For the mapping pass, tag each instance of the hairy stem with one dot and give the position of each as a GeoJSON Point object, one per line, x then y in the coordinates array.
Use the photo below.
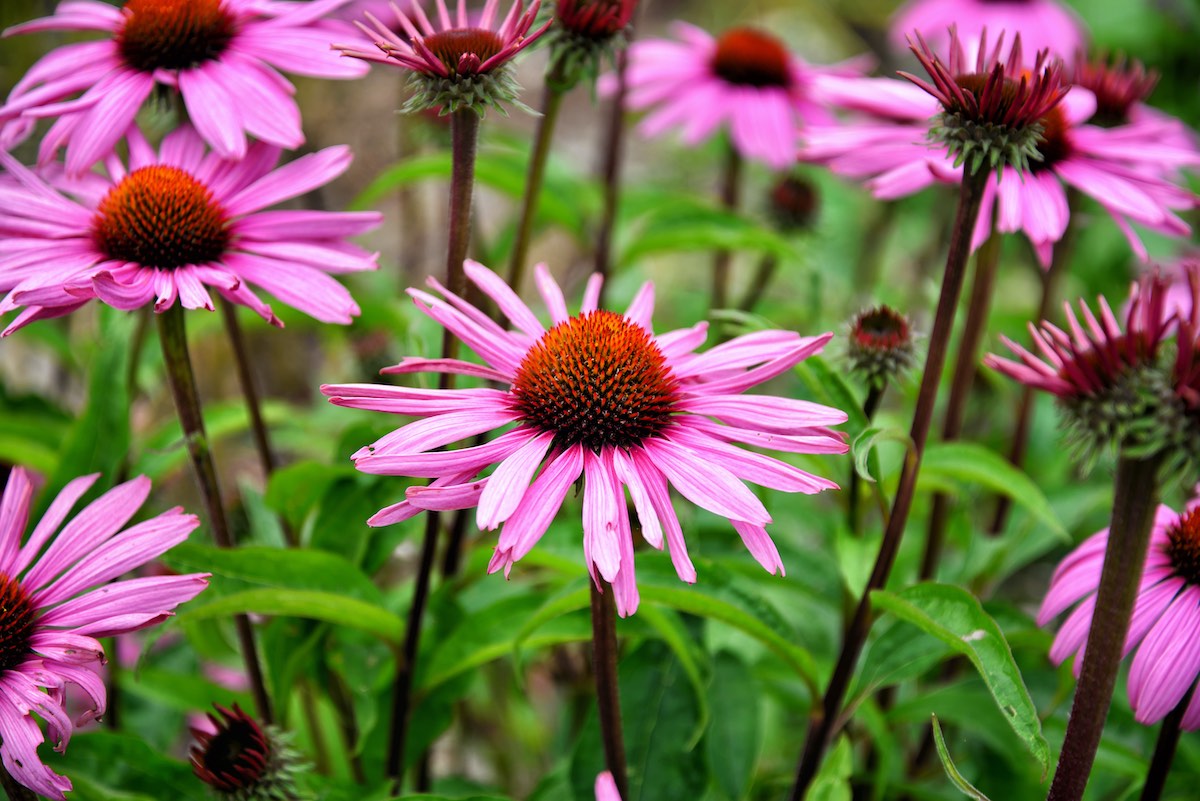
{"type": "Point", "coordinates": [172, 333]}
{"type": "Point", "coordinates": [608, 696]}
{"type": "Point", "coordinates": [464, 134]}
{"type": "Point", "coordinates": [824, 717]}
{"type": "Point", "coordinates": [986, 261]}
{"type": "Point", "coordinates": [1135, 495]}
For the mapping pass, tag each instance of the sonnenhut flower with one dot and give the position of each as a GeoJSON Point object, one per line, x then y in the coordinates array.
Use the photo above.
{"type": "Point", "coordinates": [1042, 24]}
{"type": "Point", "coordinates": [172, 223]}
{"type": "Point", "coordinates": [597, 395]}
{"type": "Point", "coordinates": [880, 345]}
{"type": "Point", "coordinates": [241, 760]}
{"type": "Point", "coordinates": [58, 595]}
{"type": "Point", "coordinates": [1166, 615]}
{"type": "Point", "coordinates": [1110, 381]}
{"type": "Point", "coordinates": [458, 63]}
{"type": "Point", "coordinates": [221, 55]}
{"type": "Point", "coordinates": [583, 31]}
{"type": "Point", "coordinates": [745, 81]}
{"type": "Point", "coordinates": [992, 107]}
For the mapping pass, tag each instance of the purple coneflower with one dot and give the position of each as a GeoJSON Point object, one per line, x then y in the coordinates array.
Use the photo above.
{"type": "Point", "coordinates": [241, 760]}
{"type": "Point", "coordinates": [745, 81]}
{"type": "Point", "coordinates": [1042, 24]}
{"type": "Point", "coordinates": [58, 595]}
{"type": "Point", "coordinates": [174, 222]}
{"type": "Point", "coordinates": [221, 55]}
{"type": "Point", "coordinates": [1166, 615]}
{"type": "Point", "coordinates": [459, 62]}
{"type": "Point", "coordinates": [597, 395]}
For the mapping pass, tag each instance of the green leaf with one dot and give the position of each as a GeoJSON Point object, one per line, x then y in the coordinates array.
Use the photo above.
{"type": "Point", "coordinates": [896, 655]}
{"type": "Point", "coordinates": [293, 491]}
{"type": "Point", "coordinates": [829, 386]}
{"type": "Point", "coordinates": [733, 743]}
{"type": "Point", "coordinates": [832, 782]}
{"type": "Point", "coordinates": [122, 766]}
{"type": "Point", "coordinates": [955, 617]}
{"type": "Point", "coordinates": [252, 567]}
{"type": "Point", "coordinates": [327, 606]}
{"type": "Point", "coordinates": [866, 461]}
{"type": "Point", "coordinates": [943, 753]}
{"type": "Point", "coordinates": [953, 463]}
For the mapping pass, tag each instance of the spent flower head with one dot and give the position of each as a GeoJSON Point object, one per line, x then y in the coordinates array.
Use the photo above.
{"type": "Point", "coordinates": [243, 761]}
{"type": "Point", "coordinates": [992, 107]}
{"type": "Point", "coordinates": [598, 396]}
{"type": "Point", "coordinates": [458, 62]}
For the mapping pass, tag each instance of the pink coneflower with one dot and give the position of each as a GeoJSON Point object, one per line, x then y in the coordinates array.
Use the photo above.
{"type": "Point", "coordinates": [1042, 24]}
{"type": "Point", "coordinates": [241, 760]}
{"type": "Point", "coordinates": [174, 222]}
{"type": "Point", "coordinates": [1109, 379]}
{"type": "Point", "coordinates": [595, 19]}
{"type": "Point", "coordinates": [58, 595]}
{"type": "Point", "coordinates": [880, 345]}
{"type": "Point", "coordinates": [1166, 615]}
{"type": "Point", "coordinates": [221, 55]}
{"type": "Point", "coordinates": [597, 396]}
{"type": "Point", "coordinates": [457, 63]}
{"type": "Point", "coordinates": [746, 81]}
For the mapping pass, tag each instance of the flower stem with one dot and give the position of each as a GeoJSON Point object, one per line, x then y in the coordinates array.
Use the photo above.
{"type": "Point", "coordinates": [608, 696]}
{"type": "Point", "coordinates": [172, 333]}
{"type": "Point", "coordinates": [731, 184]}
{"type": "Point", "coordinates": [14, 789]}
{"type": "Point", "coordinates": [1135, 495]}
{"type": "Point", "coordinates": [758, 285]}
{"type": "Point", "coordinates": [610, 167]}
{"type": "Point", "coordinates": [464, 136]}
{"type": "Point", "coordinates": [854, 492]}
{"type": "Point", "coordinates": [824, 718]}
{"type": "Point", "coordinates": [866, 267]}
{"type": "Point", "coordinates": [1020, 437]}
{"type": "Point", "coordinates": [986, 261]}
{"type": "Point", "coordinates": [1164, 750]}
{"type": "Point", "coordinates": [551, 103]}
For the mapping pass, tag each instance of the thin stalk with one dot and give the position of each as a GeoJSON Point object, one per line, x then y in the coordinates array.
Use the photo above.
{"type": "Point", "coordinates": [731, 185]}
{"type": "Point", "coordinates": [758, 285]}
{"type": "Point", "coordinates": [986, 262]}
{"type": "Point", "coordinates": [14, 789]}
{"type": "Point", "coordinates": [824, 718]}
{"type": "Point", "coordinates": [464, 135]}
{"type": "Point", "coordinates": [172, 334]}
{"type": "Point", "coordinates": [551, 103]}
{"type": "Point", "coordinates": [1020, 438]}
{"type": "Point", "coordinates": [854, 493]}
{"type": "Point", "coordinates": [1135, 496]}
{"type": "Point", "coordinates": [608, 696]}
{"type": "Point", "coordinates": [610, 164]}
{"type": "Point", "coordinates": [1164, 750]}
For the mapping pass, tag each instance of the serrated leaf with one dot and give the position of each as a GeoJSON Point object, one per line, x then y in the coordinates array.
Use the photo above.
{"type": "Point", "coordinates": [955, 617]}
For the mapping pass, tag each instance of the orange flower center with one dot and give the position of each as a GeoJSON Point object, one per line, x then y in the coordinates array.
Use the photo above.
{"type": "Point", "coordinates": [596, 379]}
{"type": "Point", "coordinates": [450, 46]}
{"type": "Point", "coordinates": [16, 623]}
{"type": "Point", "coordinates": [1183, 546]}
{"type": "Point", "coordinates": [173, 34]}
{"type": "Point", "coordinates": [752, 58]}
{"type": "Point", "coordinates": [160, 216]}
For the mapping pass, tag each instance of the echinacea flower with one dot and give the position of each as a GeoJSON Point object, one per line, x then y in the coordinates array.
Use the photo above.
{"type": "Point", "coordinates": [597, 395]}
{"type": "Point", "coordinates": [746, 81]}
{"type": "Point", "coordinates": [172, 223]}
{"type": "Point", "coordinates": [1110, 381]}
{"type": "Point", "coordinates": [242, 761]}
{"type": "Point", "coordinates": [583, 31]}
{"type": "Point", "coordinates": [457, 63]}
{"type": "Point", "coordinates": [1165, 625]}
{"type": "Point", "coordinates": [221, 55]}
{"type": "Point", "coordinates": [58, 595]}
{"type": "Point", "coordinates": [992, 105]}
{"type": "Point", "coordinates": [1042, 24]}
